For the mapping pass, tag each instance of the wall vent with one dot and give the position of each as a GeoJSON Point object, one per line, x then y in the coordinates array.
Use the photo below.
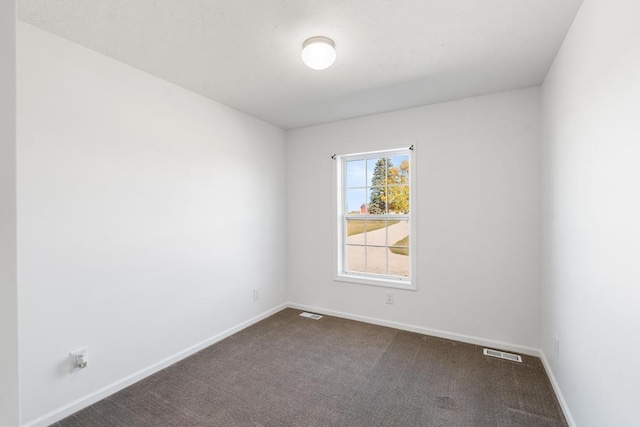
{"type": "Point", "coordinates": [311, 315]}
{"type": "Point", "coordinates": [502, 355]}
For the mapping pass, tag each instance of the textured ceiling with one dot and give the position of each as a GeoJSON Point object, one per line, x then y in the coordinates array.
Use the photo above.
{"type": "Point", "coordinates": [391, 54]}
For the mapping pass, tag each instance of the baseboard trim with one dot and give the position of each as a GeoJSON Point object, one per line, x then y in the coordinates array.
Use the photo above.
{"type": "Point", "coordinates": [498, 345]}
{"type": "Point", "coordinates": [114, 387]}
{"type": "Point", "coordinates": [556, 389]}
{"type": "Point", "coordinates": [456, 337]}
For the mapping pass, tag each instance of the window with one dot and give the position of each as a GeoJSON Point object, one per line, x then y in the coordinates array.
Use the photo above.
{"type": "Point", "coordinates": [374, 227]}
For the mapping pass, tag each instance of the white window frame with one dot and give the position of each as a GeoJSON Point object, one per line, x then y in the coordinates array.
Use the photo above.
{"type": "Point", "coordinates": [341, 273]}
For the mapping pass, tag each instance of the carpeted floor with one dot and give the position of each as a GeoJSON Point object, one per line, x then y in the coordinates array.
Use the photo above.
{"type": "Point", "coordinates": [292, 371]}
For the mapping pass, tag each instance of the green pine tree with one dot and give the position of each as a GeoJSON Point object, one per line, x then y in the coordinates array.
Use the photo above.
{"type": "Point", "coordinates": [378, 193]}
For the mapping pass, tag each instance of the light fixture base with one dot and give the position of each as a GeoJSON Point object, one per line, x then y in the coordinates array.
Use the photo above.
{"type": "Point", "coordinates": [318, 52]}
{"type": "Point", "coordinates": [319, 39]}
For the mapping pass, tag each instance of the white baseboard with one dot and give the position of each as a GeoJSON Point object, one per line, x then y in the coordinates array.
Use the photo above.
{"type": "Point", "coordinates": [83, 402]}
{"type": "Point", "coordinates": [456, 337]}
{"type": "Point", "coordinates": [556, 389]}
{"type": "Point", "coordinates": [498, 345]}
{"type": "Point", "coordinates": [92, 398]}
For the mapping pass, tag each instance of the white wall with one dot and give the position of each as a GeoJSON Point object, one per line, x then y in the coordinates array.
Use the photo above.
{"type": "Point", "coordinates": [591, 214]}
{"type": "Point", "coordinates": [477, 214]}
{"type": "Point", "coordinates": [8, 280]}
{"type": "Point", "coordinates": [146, 216]}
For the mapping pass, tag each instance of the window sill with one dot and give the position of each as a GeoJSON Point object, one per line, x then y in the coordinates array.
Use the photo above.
{"type": "Point", "coordinates": [372, 281]}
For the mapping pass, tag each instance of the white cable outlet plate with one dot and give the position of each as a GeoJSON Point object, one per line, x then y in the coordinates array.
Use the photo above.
{"type": "Point", "coordinates": [78, 358]}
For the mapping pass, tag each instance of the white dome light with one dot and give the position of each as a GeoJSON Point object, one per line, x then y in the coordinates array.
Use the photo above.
{"type": "Point", "coordinates": [318, 53]}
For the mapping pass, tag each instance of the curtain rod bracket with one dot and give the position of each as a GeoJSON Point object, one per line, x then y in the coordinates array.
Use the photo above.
{"type": "Point", "coordinates": [333, 157]}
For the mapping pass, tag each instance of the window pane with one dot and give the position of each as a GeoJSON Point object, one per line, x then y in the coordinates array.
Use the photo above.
{"type": "Point", "coordinates": [355, 231]}
{"type": "Point", "coordinates": [356, 173]}
{"type": "Point", "coordinates": [399, 250]}
{"type": "Point", "coordinates": [356, 201]}
{"type": "Point", "coordinates": [376, 232]}
{"type": "Point", "coordinates": [398, 199]}
{"type": "Point", "coordinates": [378, 201]}
{"type": "Point", "coordinates": [377, 260]}
{"type": "Point", "coordinates": [398, 232]}
{"type": "Point", "coordinates": [399, 262]}
{"type": "Point", "coordinates": [399, 169]}
{"type": "Point", "coordinates": [355, 256]}
{"type": "Point", "coordinates": [376, 172]}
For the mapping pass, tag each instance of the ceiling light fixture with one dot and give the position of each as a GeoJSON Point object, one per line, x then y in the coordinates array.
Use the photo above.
{"type": "Point", "coordinates": [318, 53]}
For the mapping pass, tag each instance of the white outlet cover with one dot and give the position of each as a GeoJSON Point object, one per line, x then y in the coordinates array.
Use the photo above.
{"type": "Point", "coordinates": [390, 298]}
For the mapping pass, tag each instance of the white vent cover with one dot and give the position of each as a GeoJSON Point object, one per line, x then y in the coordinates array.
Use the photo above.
{"type": "Point", "coordinates": [311, 315]}
{"type": "Point", "coordinates": [502, 355]}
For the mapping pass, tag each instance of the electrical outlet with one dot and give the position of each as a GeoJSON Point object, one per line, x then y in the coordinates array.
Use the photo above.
{"type": "Point", "coordinates": [390, 298]}
{"type": "Point", "coordinates": [79, 359]}
{"type": "Point", "coordinates": [256, 294]}
{"type": "Point", "coordinates": [557, 348]}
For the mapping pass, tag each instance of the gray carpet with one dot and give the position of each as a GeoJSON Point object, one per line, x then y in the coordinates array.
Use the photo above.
{"type": "Point", "coordinates": [292, 371]}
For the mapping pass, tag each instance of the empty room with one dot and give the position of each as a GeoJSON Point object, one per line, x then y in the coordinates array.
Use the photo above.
{"type": "Point", "coordinates": [319, 213]}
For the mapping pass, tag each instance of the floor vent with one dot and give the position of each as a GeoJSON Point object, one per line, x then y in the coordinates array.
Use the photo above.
{"type": "Point", "coordinates": [502, 355]}
{"type": "Point", "coordinates": [311, 315]}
